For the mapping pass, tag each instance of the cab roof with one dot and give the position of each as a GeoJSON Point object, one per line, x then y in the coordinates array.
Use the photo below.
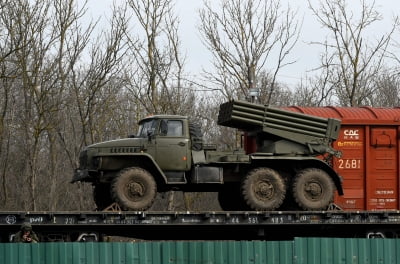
{"type": "Point", "coordinates": [163, 117]}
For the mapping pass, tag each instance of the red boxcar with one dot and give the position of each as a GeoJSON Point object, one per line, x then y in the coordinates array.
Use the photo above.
{"type": "Point", "coordinates": [369, 141]}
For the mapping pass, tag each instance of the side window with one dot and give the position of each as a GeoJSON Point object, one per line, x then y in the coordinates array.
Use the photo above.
{"type": "Point", "coordinates": [147, 127]}
{"type": "Point", "coordinates": [175, 128]}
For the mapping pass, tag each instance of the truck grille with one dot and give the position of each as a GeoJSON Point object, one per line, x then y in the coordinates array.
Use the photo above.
{"type": "Point", "coordinates": [124, 150]}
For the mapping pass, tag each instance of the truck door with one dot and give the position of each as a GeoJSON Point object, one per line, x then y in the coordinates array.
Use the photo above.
{"type": "Point", "coordinates": [172, 152]}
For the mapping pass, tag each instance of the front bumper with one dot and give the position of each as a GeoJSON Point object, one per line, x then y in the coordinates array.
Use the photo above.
{"type": "Point", "coordinates": [81, 175]}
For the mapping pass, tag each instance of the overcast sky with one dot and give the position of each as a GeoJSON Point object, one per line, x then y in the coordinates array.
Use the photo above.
{"type": "Point", "coordinates": [306, 55]}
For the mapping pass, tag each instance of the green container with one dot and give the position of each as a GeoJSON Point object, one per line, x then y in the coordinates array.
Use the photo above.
{"type": "Point", "coordinates": [227, 252]}
{"type": "Point", "coordinates": [299, 251]}
{"type": "Point", "coordinates": [346, 251]}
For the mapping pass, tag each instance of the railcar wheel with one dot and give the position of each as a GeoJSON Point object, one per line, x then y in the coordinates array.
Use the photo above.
{"type": "Point", "coordinates": [102, 195]}
{"type": "Point", "coordinates": [313, 189]}
{"type": "Point", "coordinates": [134, 189]}
{"type": "Point", "coordinates": [264, 189]}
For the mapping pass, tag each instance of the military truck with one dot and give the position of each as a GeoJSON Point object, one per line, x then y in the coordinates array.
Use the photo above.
{"type": "Point", "coordinates": [285, 155]}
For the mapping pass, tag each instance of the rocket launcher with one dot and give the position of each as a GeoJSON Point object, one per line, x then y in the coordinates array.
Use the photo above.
{"type": "Point", "coordinates": [316, 134]}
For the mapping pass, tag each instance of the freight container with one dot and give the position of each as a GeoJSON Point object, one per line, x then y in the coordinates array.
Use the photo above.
{"type": "Point", "coordinates": [369, 165]}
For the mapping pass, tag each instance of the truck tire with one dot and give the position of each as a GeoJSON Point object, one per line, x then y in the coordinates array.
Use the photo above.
{"type": "Point", "coordinates": [313, 189]}
{"type": "Point", "coordinates": [102, 196]}
{"type": "Point", "coordinates": [264, 189]}
{"type": "Point", "coordinates": [134, 189]}
{"type": "Point", "coordinates": [196, 136]}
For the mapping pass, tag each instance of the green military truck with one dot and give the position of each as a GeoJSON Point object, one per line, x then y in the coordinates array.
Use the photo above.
{"type": "Point", "coordinates": [285, 155]}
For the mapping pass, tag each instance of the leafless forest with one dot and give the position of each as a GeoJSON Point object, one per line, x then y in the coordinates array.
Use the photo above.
{"type": "Point", "coordinates": [66, 82]}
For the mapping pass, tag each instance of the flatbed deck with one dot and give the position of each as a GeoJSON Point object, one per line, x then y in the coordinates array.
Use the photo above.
{"type": "Point", "coordinates": [213, 225]}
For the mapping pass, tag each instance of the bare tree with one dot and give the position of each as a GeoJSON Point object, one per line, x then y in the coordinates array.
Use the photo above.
{"type": "Point", "coordinates": [46, 41]}
{"type": "Point", "coordinates": [71, 41]}
{"type": "Point", "coordinates": [29, 60]}
{"type": "Point", "coordinates": [157, 79]}
{"type": "Point", "coordinates": [244, 37]}
{"type": "Point", "coordinates": [6, 79]}
{"type": "Point", "coordinates": [57, 94]}
{"type": "Point", "coordinates": [388, 86]}
{"type": "Point", "coordinates": [92, 82]}
{"type": "Point", "coordinates": [353, 60]}
{"type": "Point", "coordinates": [318, 90]}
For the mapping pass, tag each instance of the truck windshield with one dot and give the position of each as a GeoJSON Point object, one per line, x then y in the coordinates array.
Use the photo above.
{"type": "Point", "coordinates": [146, 127]}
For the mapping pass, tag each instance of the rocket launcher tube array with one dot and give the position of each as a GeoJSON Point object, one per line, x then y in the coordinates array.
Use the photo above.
{"type": "Point", "coordinates": [251, 117]}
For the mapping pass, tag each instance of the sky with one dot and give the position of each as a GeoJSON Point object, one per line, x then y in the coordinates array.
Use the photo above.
{"type": "Point", "coordinates": [306, 55]}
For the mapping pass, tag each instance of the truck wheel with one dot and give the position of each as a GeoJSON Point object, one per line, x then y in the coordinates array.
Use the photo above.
{"type": "Point", "coordinates": [313, 189]}
{"type": "Point", "coordinates": [102, 195]}
{"type": "Point", "coordinates": [134, 189]}
{"type": "Point", "coordinates": [196, 136]}
{"type": "Point", "coordinates": [264, 189]}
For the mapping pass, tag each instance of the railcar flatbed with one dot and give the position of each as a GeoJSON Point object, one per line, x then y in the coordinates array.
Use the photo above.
{"type": "Point", "coordinates": [213, 225]}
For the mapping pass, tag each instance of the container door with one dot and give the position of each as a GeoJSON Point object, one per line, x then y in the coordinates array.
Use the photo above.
{"type": "Point", "coordinates": [351, 167]}
{"type": "Point", "coordinates": [382, 169]}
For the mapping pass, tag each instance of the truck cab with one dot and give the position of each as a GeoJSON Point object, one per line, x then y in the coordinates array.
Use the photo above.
{"type": "Point", "coordinates": [168, 142]}
{"type": "Point", "coordinates": [130, 169]}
